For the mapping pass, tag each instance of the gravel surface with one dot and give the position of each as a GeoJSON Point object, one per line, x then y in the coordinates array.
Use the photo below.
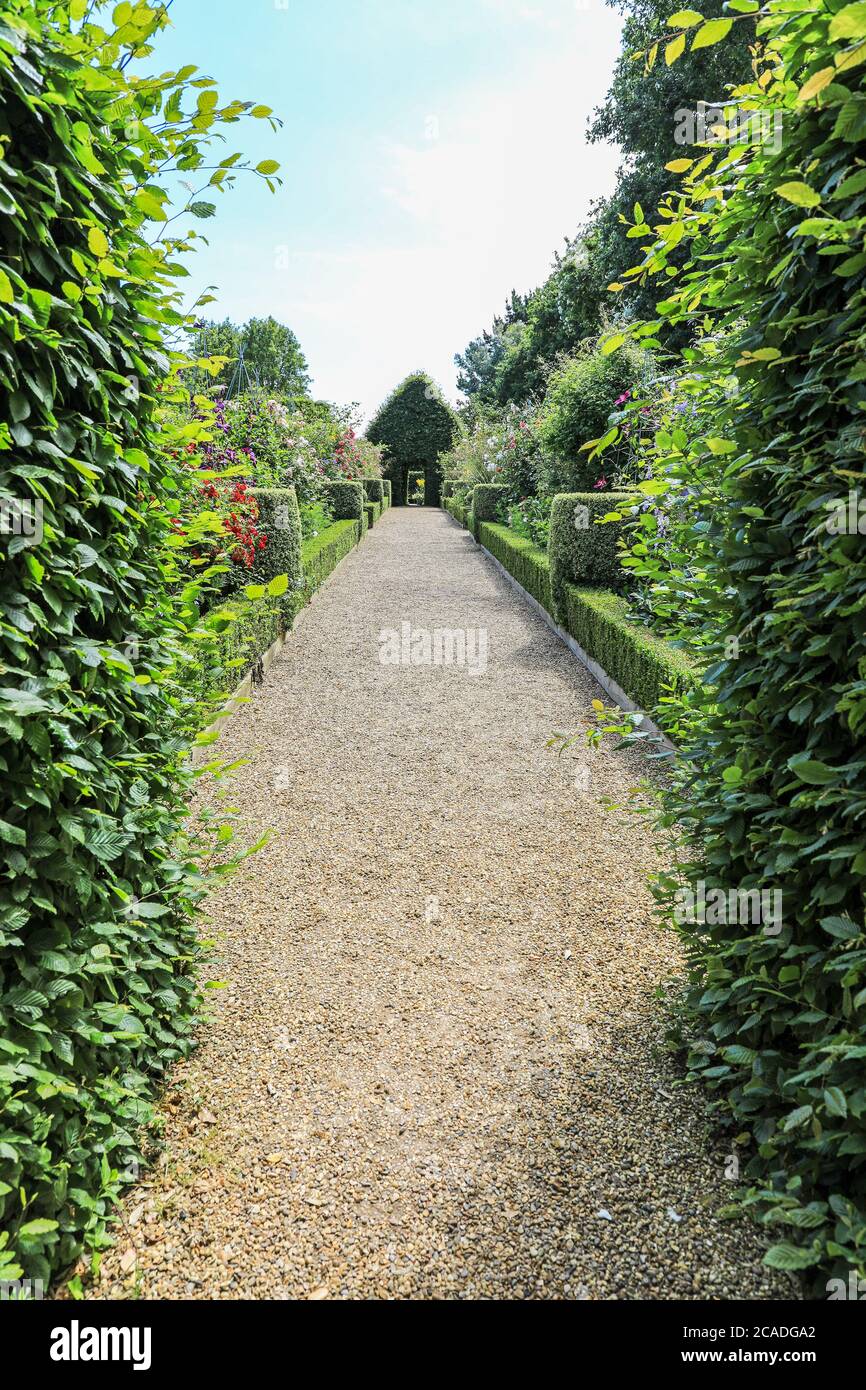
{"type": "Point", "coordinates": [436, 1071]}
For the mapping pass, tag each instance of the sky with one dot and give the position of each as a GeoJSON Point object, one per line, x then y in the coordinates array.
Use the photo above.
{"type": "Point", "coordinates": [433, 157]}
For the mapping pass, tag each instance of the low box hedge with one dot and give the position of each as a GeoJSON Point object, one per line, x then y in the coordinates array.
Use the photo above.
{"type": "Point", "coordinates": [641, 663]}
{"type": "Point", "coordinates": [246, 628]}
{"type": "Point", "coordinates": [582, 549]}
{"type": "Point", "coordinates": [374, 511]}
{"type": "Point", "coordinates": [529, 565]}
{"type": "Point", "coordinates": [455, 508]}
{"type": "Point", "coordinates": [346, 499]}
{"type": "Point", "coordinates": [280, 522]}
{"type": "Point", "coordinates": [321, 554]}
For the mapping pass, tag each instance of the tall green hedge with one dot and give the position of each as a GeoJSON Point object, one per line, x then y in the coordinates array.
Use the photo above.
{"type": "Point", "coordinates": [280, 522]}
{"type": "Point", "coordinates": [771, 786]}
{"type": "Point", "coordinates": [388, 491]}
{"type": "Point", "coordinates": [97, 941]}
{"type": "Point", "coordinates": [346, 500]}
{"type": "Point", "coordinates": [583, 549]}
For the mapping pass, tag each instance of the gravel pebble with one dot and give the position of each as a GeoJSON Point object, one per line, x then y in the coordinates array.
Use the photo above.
{"type": "Point", "coordinates": [437, 1070]}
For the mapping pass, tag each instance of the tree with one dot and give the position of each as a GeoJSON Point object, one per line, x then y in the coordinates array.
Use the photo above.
{"type": "Point", "coordinates": [263, 353]}
{"type": "Point", "coordinates": [512, 361]}
{"type": "Point", "coordinates": [415, 424]}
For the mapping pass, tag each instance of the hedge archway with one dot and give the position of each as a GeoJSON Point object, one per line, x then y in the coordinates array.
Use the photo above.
{"type": "Point", "coordinates": [416, 424]}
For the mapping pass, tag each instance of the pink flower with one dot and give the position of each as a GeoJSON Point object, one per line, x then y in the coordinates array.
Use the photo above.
{"type": "Point", "coordinates": [602, 482]}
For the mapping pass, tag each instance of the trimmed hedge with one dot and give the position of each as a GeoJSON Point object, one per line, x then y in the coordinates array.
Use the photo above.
{"type": "Point", "coordinates": [321, 554]}
{"type": "Point", "coordinates": [387, 487]}
{"type": "Point", "coordinates": [280, 522]}
{"type": "Point", "coordinates": [346, 500]}
{"type": "Point", "coordinates": [583, 551]}
{"type": "Point", "coordinates": [245, 629]}
{"type": "Point", "coordinates": [456, 509]}
{"type": "Point", "coordinates": [375, 491]}
{"type": "Point", "coordinates": [529, 565]}
{"type": "Point", "coordinates": [373, 511]}
{"type": "Point", "coordinates": [486, 498]}
{"type": "Point", "coordinates": [639, 661]}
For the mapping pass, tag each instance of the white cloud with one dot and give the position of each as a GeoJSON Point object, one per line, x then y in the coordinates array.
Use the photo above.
{"type": "Point", "coordinates": [475, 211]}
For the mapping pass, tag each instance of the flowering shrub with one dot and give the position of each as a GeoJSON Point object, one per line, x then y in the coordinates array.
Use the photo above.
{"type": "Point", "coordinates": [498, 448]}
{"type": "Point", "coordinates": [530, 518]}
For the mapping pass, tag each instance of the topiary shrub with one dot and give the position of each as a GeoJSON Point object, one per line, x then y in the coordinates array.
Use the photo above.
{"type": "Point", "coordinates": [581, 394]}
{"type": "Point", "coordinates": [280, 524]}
{"type": "Point", "coordinates": [375, 490]}
{"type": "Point", "coordinates": [485, 502]}
{"type": "Point", "coordinates": [346, 500]}
{"type": "Point", "coordinates": [583, 548]}
{"type": "Point", "coordinates": [415, 424]}
{"type": "Point", "coordinates": [642, 664]}
{"type": "Point", "coordinates": [373, 512]}
{"type": "Point", "coordinates": [386, 486]}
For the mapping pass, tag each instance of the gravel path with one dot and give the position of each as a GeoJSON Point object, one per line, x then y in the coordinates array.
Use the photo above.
{"type": "Point", "coordinates": [436, 1071]}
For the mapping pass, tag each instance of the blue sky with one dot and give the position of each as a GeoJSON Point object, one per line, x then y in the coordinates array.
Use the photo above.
{"type": "Point", "coordinates": [433, 156]}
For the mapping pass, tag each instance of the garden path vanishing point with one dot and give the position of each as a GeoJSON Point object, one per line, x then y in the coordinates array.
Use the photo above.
{"type": "Point", "coordinates": [436, 1070]}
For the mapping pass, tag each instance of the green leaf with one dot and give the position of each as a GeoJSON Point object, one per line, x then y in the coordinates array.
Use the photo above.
{"type": "Point", "coordinates": [7, 294]}
{"type": "Point", "coordinates": [278, 585]}
{"type": "Point", "coordinates": [800, 194]}
{"type": "Point", "coordinates": [842, 928]}
{"type": "Point", "coordinates": [812, 770]}
{"type": "Point", "coordinates": [835, 1101]}
{"type": "Point", "coordinates": [850, 22]}
{"type": "Point", "coordinates": [267, 166]}
{"type": "Point", "coordinates": [786, 1256]}
{"type": "Point", "coordinates": [712, 32]}
{"type": "Point", "coordinates": [97, 241]}
{"type": "Point", "coordinates": [684, 19]}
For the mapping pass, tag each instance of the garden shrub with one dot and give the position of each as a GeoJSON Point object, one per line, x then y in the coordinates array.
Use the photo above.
{"type": "Point", "coordinates": [244, 629]}
{"type": "Point", "coordinates": [642, 664]}
{"type": "Point", "coordinates": [102, 871]}
{"type": "Point", "coordinates": [324, 552]}
{"type": "Point", "coordinates": [583, 548]}
{"type": "Point", "coordinates": [387, 487]}
{"type": "Point", "coordinates": [456, 509]}
{"type": "Point", "coordinates": [373, 512]}
{"type": "Point", "coordinates": [581, 394]}
{"type": "Point", "coordinates": [280, 524]}
{"type": "Point", "coordinates": [346, 500]}
{"type": "Point", "coordinates": [529, 565]}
